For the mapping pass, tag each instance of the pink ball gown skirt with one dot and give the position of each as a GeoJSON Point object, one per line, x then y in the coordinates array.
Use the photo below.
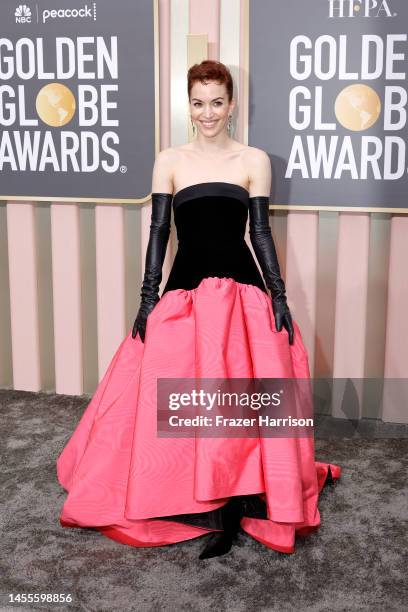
{"type": "Point", "coordinates": [121, 478]}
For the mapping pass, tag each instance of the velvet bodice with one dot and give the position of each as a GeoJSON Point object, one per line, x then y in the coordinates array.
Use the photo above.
{"type": "Point", "coordinates": [210, 220]}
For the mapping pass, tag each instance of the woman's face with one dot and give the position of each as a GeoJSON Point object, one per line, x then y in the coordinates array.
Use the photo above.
{"type": "Point", "coordinates": [209, 107]}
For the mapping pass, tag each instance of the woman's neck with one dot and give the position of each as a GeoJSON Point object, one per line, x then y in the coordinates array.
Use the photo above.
{"type": "Point", "coordinates": [213, 146]}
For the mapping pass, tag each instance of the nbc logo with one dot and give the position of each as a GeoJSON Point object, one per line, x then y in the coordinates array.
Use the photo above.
{"type": "Point", "coordinates": [23, 14]}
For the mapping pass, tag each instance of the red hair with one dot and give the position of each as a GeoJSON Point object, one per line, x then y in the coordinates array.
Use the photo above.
{"type": "Point", "coordinates": [210, 70]}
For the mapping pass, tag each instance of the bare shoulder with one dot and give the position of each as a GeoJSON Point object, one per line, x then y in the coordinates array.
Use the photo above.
{"type": "Point", "coordinates": [254, 156]}
{"type": "Point", "coordinates": [166, 156]}
{"type": "Point", "coordinates": [163, 171]}
{"type": "Point", "coordinates": [258, 166]}
{"type": "Point", "coordinates": [171, 156]}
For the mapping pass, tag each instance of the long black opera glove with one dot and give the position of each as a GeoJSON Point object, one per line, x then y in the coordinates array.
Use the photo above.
{"type": "Point", "coordinates": [155, 254]}
{"type": "Point", "coordinates": [264, 247]}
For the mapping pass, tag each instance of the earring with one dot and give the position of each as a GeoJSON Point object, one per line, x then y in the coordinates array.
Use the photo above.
{"type": "Point", "coordinates": [229, 126]}
{"type": "Point", "coordinates": [193, 126]}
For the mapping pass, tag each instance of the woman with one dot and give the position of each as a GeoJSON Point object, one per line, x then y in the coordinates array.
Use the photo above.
{"type": "Point", "coordinates": [215, 319]}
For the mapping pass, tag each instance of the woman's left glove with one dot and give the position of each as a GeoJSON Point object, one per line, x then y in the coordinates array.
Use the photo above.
{"type": "Point", "coordinates": [155, 254]}
{"type": "Point", "coordinates": [264, 247]}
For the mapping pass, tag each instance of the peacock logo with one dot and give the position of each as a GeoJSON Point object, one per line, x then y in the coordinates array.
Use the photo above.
{"type": "Point", "coordinates": [23, 14]}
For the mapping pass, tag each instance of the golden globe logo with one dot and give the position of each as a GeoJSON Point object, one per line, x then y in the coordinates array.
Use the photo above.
{"type": "Point", "coordinates": [364, 8]}
{"type": "Point", "coordinates": [55, 104]}
{"type": "Point", "coordinates": [357, 107]}
{"type": "Point", "coordinates": [319, 148]}
{"type": "Point", "coordinates": [92, 143]}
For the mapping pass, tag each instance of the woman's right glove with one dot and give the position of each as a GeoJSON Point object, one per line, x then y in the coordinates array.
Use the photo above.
{"type": "Point", "coordinates": [264, 247]}
{"type": "Point", "coordinates": [155, 254]}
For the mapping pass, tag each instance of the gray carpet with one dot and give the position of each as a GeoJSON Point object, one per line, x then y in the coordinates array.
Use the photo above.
{"type": "Point", "coordinates": [357, 560]}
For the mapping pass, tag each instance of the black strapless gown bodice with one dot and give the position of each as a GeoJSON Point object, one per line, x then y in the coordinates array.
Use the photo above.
{"type": "Point", "coordinates": [210, 220]}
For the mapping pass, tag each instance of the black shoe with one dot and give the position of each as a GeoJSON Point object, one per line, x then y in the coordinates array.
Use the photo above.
{"type": "Point", "coordinates": [220, 542]}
